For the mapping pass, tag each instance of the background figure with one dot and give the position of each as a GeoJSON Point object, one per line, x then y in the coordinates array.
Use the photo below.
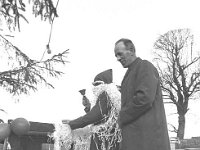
{"type": "Point", "coordinates": [142, 117]}
{"type": "Point", "coordinates": [98, 112]}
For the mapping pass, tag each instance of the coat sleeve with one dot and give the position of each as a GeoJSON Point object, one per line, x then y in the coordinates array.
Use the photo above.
{"type": "Point", "coordinates": [95, 115]}
{"type": "Point", "coordinates": [144, 95]}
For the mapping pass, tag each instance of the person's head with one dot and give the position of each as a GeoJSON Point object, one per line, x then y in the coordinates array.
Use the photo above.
{"type": "Point", "coordinates": [103, 77]}
{"type": "Point", "coordinates": [125, 52]}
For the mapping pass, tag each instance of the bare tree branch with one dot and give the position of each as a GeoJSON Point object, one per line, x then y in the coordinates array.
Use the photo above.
{"type": "Point", "coordinates": [174, 128]}
{"type": "Point", "coordinates": [180, 78]}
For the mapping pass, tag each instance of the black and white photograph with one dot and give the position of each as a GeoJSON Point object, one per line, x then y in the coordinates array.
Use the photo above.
{"type": "Point", "coordinates": [99, 75]}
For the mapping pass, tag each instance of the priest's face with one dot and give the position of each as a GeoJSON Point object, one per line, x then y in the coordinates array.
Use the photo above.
{"type": "Point", "coordinates": [124, 56]}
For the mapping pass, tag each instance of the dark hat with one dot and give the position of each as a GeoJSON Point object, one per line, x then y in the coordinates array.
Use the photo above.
{"type": "Point", "coordinates": [105, 76]}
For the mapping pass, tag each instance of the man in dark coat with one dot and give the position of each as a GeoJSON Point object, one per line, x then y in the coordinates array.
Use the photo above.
{"type": "Point", "coordinates": [97, 113]}
{"type": "Point", "coordinates": [142, 117]}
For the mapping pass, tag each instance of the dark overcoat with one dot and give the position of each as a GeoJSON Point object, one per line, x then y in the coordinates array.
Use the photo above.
{"type": "Point", "coordinates": [142, 117]}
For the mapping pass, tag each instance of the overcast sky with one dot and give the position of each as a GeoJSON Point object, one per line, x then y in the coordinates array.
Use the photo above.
{"type": "Point", "coordinates": [89, 30]}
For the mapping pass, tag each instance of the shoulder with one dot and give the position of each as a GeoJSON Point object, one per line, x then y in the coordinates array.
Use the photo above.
{"type": "Point", "coordinates": [149, 68]}
{"type": "Point", "coordinates": [146, 64]}
{"type": "Point", "coordinates": [145, 67]}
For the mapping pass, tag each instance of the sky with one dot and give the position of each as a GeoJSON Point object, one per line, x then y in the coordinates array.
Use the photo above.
{"type": "Point", "coordinates": [89, 30]}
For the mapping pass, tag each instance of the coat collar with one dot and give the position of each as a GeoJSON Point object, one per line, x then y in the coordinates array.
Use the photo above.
{"type": "Point", "coordinates": [132, 65]}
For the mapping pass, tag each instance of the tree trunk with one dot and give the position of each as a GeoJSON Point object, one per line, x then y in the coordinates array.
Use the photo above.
{"type": "Point", "coordinates": [181, 126]}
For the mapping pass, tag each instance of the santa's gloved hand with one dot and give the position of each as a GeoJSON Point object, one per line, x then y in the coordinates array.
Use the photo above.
{"type": "Point", "coordinates": [86, 103]}
{"type": "Point", "coordinates": [87, 109]}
